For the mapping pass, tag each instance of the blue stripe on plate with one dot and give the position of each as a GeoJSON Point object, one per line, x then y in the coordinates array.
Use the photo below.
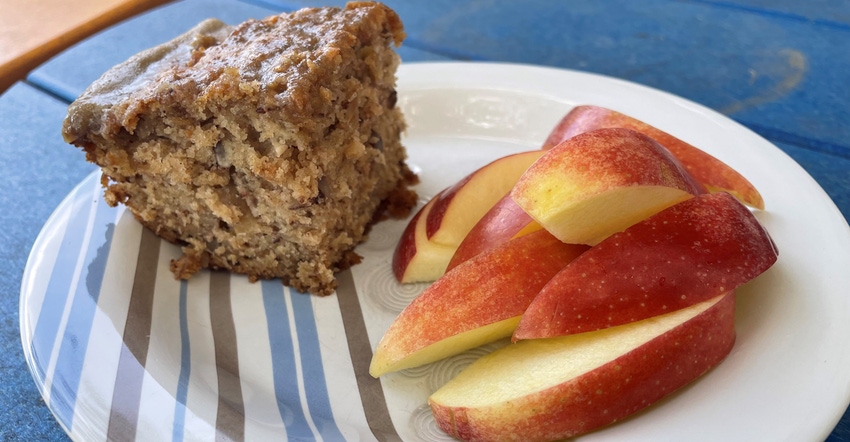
{"type": "Point", "coordinates": [283, 362]}
{"type": "Point", "coordinates": [72, 352]}
{"type": "Point", "coordinates": [56, 293]}
{"type": "Point", "coordinates": [315, 385]}
{"type": "Point", "coordinates": [185, 367]}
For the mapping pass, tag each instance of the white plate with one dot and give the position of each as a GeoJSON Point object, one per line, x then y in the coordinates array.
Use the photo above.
{"type": "Point", "coordinates": [268, 363]}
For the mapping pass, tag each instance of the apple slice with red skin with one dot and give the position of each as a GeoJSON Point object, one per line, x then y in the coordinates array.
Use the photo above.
{"type": "Point", "coordinates": [601, 182]}
{"type": "Point", "coordinates": [435, 232]}
{"type": "Point", "coordinates": [477, 302]}
{"type": "Point", "coordinates": [503, 222]}
{"type": "Point", "coordinates": [460, 206]}
{"type": "Point", "coordinates": [556, 388]}
{"type": "Point", "coordinates": [708, 170]}
{"type": "Point", "coordinates": [415, 258]}
{"type": "Point", "coordinates": [683, 255]}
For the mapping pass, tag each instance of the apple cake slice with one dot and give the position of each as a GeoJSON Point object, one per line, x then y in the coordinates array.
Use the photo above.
{"type": "Point", "coordinates": [265, 149]}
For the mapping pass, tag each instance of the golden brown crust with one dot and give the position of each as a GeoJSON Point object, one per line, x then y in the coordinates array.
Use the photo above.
{"type": "Point", "coordinates": [264, 148]}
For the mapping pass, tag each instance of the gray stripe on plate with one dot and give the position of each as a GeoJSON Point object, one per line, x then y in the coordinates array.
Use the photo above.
{"type": "Point", "coordinates": [230, 417]}
{"type": "Point", "coordinates": [126, 396]}
{"type": "Point", "coordinates": [371, 392]}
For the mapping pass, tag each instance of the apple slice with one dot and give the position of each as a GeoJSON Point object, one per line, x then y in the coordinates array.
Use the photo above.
{"type": "Point", "coordinates": [683, 255]}
{"type": "Point", "coordinates": [479, 301]}
{"type": "Point", "coordinates": [434, 233]}
{"type": "Point", "coordinates": [503, 222]}
{"type": "Point", "coordinates": [460, 206]}
{"type": "Point", "coordinates": [415, 258]}
{"type": "Point", "coordinates": [600, 182]}
{"type": "Point", "coordinates": [708, 170]}
{"type": "Point", "coordinates": [548, 389]}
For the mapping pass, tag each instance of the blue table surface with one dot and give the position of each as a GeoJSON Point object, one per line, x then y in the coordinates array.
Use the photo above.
{"type": "Point", "coordinates": [781, 68]}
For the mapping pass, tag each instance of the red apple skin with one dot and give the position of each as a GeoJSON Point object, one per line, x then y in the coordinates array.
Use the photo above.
{"type": "Point", "coordinates": [498, 226]}
{"type": "Point", "coordinates": [484, 290]}
{"type": "Point", "coordinates": [711, 172]}
{"type": "Point", "coordinates": [611, 392]}
{"type": "Point", "coordinates": [688, 253]}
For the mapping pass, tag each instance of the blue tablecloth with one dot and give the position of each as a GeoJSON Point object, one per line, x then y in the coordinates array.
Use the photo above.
{"type": "Point", "coordinates": [781, 68]}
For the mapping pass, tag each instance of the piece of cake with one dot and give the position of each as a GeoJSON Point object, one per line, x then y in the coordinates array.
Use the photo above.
{"type": "Point", "coordinates": [265, 149]}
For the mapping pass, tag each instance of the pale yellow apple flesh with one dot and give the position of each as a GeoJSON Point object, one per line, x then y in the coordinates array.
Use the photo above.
{"type": "Point", "coordinates": [444, 348]}
{"type": "Point", "coordinates": [546, 389]}
{"type": "Point", "coordinates": [591, 220]}
{"type": "Point", "coordinates": [601, 182]}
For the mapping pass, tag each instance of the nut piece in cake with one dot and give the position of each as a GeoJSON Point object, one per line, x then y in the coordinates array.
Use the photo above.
{"type": "Point", "coordinates": [266, 148]}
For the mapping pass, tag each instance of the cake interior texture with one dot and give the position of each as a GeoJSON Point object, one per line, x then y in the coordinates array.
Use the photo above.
{"type": "Point", "coordinates": [266, 148]}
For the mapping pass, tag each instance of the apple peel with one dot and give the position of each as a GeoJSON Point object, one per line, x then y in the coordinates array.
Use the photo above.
{"type": "Point", "coordinates": [688, 253]}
